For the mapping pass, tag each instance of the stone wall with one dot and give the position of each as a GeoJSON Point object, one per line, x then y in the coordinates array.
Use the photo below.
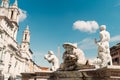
{"type": "Point", "coordinates": [107, 73]}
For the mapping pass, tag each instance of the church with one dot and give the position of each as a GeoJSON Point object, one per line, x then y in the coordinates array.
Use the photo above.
{"type": "Point", "coordinates": [14, 58]}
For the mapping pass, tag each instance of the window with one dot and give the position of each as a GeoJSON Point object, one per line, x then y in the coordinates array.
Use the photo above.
{"type": "Point", "coordinates": [25, 36]}
{"type": "Point", "coordinates": [11, 14]}
{"type": "Point", "coordinates": [117, 60]}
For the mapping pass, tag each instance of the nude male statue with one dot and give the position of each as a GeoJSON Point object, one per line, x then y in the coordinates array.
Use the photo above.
{"type": "Point", "coordinates": [103, 47]}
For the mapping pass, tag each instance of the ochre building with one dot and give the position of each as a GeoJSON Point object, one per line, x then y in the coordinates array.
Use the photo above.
{"type": "Point", "coordinates": [115, 53]}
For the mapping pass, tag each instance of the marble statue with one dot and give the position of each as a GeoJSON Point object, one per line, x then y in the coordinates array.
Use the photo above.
{"type": "Point", "coordinates": [81, 60]}
{"type": "Point", "coordinates": [51, 58]}
{"type": "Point", "coordinates": [72, 57]}
{"type": "Point", "coordinates": [104, 57]}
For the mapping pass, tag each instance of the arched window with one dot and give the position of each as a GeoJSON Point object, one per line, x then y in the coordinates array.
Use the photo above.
{"type": "Point", "coordinates": [11, 14]}
{"type": "Point", "coordinates": [25, 36]}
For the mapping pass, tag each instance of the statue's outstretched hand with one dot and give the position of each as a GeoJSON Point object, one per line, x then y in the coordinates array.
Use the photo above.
{"type": "Point", "coordinates": [45, 56]}
{"type": "Point", "coordinates": [95, 40]}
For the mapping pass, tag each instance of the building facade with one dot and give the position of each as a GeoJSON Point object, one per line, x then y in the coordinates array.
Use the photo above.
{"type": "Point", "coordinates": [115, 53]}
{"type": "Point", "coordinates": [14, 58]}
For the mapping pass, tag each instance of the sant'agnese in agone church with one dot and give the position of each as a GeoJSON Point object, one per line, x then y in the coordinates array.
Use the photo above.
{"type": "Point", "coordinates": [14, 58]}
{"type": "Point", "coordinates": [16, 61]}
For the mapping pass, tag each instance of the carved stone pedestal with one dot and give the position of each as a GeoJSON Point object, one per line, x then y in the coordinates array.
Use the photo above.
{"type": "Point", "coordinates": [107, 73]}
{"type": "Point", "coordinates": [38, 76]}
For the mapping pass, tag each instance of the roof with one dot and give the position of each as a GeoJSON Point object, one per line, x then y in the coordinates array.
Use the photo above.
{"type": "Point", "coordinates": [117, 46]}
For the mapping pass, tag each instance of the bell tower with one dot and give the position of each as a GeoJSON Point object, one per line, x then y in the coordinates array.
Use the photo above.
{"type": "Point", "coordinates": [14, 12]}
{"type": "Point", "coordinates": [25, 45]}
{"type": "Point", "coordinates": [5, 3]}
{"type": "Point", "coordinates": [4, 8]}
{"type": "Point", "coordinates": [26, 39]}
{"type": "Point", "coordinates": [11, 13]}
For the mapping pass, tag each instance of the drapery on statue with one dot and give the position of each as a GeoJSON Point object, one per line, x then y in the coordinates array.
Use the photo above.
{"type": "Point", "coordinates": [51, 58]}
{"type": "Point", "coordinates": [72, 57]}
{"type": "Point", "coordinates": [104, 57]}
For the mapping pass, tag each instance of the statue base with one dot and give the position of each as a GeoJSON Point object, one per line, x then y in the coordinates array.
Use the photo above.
{"type": "Point", "coordinates": [106, 73]}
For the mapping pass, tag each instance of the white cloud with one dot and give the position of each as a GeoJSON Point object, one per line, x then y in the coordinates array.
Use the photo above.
{"type": "Point", "coordinates": [23, 15]}
{"type": "Point", "coordinates": [86, 26]}
{"type": "Point", "coordinates": [86, 44]}
{"type": "Point", "coordinates": [115, 38]}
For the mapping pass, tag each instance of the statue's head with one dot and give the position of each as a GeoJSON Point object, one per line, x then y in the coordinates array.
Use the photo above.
{"type": "Point", "coordinates": [102, 27]}
{"type": "Point", "coordinates": [70, 46]}
{"type": "Point", "coordinates": [50, 53]}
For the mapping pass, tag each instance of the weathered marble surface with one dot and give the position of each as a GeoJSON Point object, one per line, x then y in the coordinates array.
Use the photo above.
{"type": "Point", "coordinates": [106, 73]}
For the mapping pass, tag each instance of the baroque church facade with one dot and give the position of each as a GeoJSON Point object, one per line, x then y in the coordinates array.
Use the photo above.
{"type": "Point", "coordinates": [14, 58]}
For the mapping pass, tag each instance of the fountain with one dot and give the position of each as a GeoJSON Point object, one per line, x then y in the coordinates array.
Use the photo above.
{"type": "Point", "coordinates": [76, 67]}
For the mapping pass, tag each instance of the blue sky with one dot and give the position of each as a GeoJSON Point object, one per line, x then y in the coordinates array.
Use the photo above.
{"type": "Point", "coordinates": [53, 22]}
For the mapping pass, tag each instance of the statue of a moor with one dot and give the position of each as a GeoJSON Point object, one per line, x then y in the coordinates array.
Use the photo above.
{"type": "Point", "coordinates": [72, 57]}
